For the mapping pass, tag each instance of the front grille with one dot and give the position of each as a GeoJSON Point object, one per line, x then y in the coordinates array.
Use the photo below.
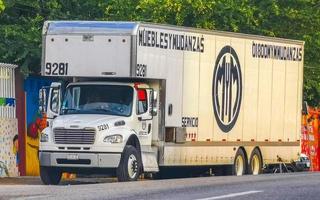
{"type": "Point", "coordinates": [74, 136]}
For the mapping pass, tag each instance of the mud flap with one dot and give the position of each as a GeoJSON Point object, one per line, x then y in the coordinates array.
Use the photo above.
{"type": "Point", "coordinates": [149, 160]}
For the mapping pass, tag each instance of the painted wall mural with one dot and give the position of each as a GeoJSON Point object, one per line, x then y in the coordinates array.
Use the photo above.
{"type": "Point", "coordinates": [34, 122]}
{"type": "Point", "coordinates": [9, 147]}
{"type": "Point", "coordinates": [32, 141]}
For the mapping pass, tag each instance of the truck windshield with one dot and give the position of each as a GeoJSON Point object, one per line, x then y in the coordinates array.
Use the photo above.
{"type": "Point", "coordinates": [98, 99]}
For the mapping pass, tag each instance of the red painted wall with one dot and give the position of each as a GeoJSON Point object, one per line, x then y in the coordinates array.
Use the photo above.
{"type": "Point", "coordinates": [21, 115]}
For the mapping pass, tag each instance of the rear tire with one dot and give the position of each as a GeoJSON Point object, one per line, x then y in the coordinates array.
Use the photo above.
{"type": "Point", "coordinates": [130, 165]}
{"type": "Point", "coordinates": [240, 163]}
{"type": "Point", "coordinates": [50, 175]}
{"type": "Point", "coordinates": [255, 164]}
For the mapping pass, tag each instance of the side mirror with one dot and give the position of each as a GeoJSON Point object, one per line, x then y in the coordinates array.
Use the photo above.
{"type": "Point", "coordinates": [55, 100]}
{"type": "Point", "coordinates": [305, 108]}
{"type": "Point", "coordinates": [154, 110]}
{"type": "Point", "coordinates": [42, 100]}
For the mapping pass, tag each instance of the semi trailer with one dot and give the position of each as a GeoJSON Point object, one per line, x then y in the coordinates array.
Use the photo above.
{"type": "Point", "coordinates": [139, 98]}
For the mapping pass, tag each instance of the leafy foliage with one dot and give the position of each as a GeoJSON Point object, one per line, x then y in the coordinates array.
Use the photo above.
{"type": "Point", "coordinates": [21, 24]}
{"type": "Point", "coordinates": [1, 6]}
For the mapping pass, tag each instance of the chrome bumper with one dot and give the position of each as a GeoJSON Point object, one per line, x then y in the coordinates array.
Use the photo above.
{"type": "Point", "coordinates": [78, 159]}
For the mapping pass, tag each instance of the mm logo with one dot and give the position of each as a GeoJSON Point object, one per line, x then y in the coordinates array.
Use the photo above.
{"type": "Point", "coordinates": [227, 88]}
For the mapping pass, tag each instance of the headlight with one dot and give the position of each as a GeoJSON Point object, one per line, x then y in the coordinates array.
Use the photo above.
{"type": "Point", "coordinates": [44, 137]}
{"type": "Point", "coordinates": [113, 139]}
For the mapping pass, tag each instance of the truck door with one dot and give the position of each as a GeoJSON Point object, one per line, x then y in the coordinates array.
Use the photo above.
{"type": "Point", "coordinates": [144, 113]}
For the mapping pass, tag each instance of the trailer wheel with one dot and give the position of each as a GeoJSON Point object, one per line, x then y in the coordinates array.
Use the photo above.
{"type": "Point", "coordinates": [130, 165]}
{"type": "Point", "coordinates": [240, 164]}
{"type": "Point", "coordinates": [255, 164]}
{"type": "Point", "coordinates": [50, 175]}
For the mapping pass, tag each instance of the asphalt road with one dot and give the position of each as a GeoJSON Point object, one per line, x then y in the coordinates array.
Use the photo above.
{"type": "Point", "coordinates": [270, 186]}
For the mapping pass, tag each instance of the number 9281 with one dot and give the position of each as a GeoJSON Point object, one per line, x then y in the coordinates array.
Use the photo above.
{"type": "Point", "coordinates": [56, 68]}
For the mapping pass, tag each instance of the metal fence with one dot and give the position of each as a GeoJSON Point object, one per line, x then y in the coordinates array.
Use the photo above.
{"type": "Point", "coordinates": [7, 91]}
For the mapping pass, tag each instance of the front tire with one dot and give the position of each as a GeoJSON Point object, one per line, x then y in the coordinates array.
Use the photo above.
{"type": "Point", "coordinates": [50, 175]}
{"type": "Point", "coordinates": [130, 165]}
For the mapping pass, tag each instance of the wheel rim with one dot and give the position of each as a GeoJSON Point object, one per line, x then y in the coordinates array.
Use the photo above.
{"type": "Point", "coordinates": [132, 166]}
{"type": "Point", "coordinates": [239, 165]}
{"type": "Point", "coordinates": [255, 164]}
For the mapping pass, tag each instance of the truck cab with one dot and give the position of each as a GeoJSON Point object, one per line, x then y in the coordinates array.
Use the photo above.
{"type": "Point", "coordinates": [97, 125]}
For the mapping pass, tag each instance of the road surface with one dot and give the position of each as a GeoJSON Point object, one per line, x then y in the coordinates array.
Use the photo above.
{"type": "Point", "coordinates": [269, 186]}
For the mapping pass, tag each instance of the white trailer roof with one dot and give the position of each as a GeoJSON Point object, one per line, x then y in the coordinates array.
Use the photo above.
{"type": "Point", "coordinates": [131, 28]}
{"type": "Point", "coordinates": [94, 27]}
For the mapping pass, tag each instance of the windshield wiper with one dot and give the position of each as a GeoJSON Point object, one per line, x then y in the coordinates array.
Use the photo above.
{"type": "Point", "coordinates": [102, 109]}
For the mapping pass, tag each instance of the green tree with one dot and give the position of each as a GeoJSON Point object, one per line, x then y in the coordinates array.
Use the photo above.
{"type": "Point", "coordinates": [1, 6]}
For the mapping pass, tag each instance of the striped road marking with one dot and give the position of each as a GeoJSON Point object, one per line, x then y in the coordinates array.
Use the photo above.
{"type": "Point", "coordinates": [232, 195]}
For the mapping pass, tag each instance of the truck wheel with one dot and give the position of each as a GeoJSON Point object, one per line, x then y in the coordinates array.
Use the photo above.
{"type": "Point", "coordinates": [50, 175]}
{"type": "Point", "coordinates": [240, 163]}
{"type": "Point", "coordinates": [255, 164]}
{"type": "Point", "coordinates": [130, 165]}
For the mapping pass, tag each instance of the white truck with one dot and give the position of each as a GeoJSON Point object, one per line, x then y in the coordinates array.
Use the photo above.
{"type": "Point", "coordinates": [145, 97]}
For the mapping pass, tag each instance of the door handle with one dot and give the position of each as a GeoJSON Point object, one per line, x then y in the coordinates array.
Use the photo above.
{"type": "Point", "coordinates": [149, 128]}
